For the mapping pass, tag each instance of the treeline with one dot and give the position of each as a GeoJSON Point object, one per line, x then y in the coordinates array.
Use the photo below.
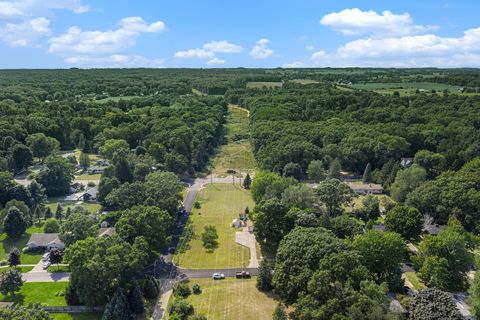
{"type": "Point", "coordinates": [301, 123]}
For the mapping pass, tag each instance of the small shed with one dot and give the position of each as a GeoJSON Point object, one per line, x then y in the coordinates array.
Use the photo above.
{"type": "Point", "coordinates": [237, 223]}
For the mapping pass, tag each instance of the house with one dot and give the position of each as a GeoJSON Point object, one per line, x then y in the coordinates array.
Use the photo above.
{"type": "Point", "coordinates": [90, 194]}
{"type": "Point", "coordinates": [366, 188]}
{"type": "Point", "coordinates": [104, 224]}
{"type": "Point", "coordinates": [106, 232]}
{"type": "Point", "coordinates": [45, 241]}
{"type": "Point", "coordinates": [237, 223]}
{"type": "Point", "coordinates": [406, 162]}
{"type": "Point", "coordinates": [432, 229]}
{"type": "Point", "coordinates": [95, 170]}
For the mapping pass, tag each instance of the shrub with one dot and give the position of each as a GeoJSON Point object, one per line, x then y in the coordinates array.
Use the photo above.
{"type": "Point", "coordinates": [3, 263]}
{"type": "Point", "coordinates": [196, 289]}
{"type": "Point", "coordinates": [209, 237]}
{"type": "Point", "coordinates": [182, 290]}
{"type": "Point", "coordinates": [197, 205]}
{"type": "Point", "coordinates": [91, 184]}
{"type": "Point", "coordinates": [52, 226]}
{"type": "Point", "coordinates": [181, 307]}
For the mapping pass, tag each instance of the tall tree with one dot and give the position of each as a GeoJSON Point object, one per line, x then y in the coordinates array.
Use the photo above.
{"type": "Point", "coordinates": [57, 176]}
{"type": "Point", "coordinates": [14, 223]}
{"type": "Point", "coordinates": [41, 145]}
{"type": "Point", "coordinates": [406, 221]}
{"type": "Point", "coordinates": [21, 156]}
{"type": "Point", "coordinates": [59, 212]}
{"type": "Point", "coordinates": [334, 169]}
{"type": "Point", "coordinates": [10, 281]}
{"type": "Point", "coordinates": [315, 170]}
{"type": "Point", "coordinates": [37, 195]}
{"type": "Point", "coordinates": [432, 303]}
{"type": "Point", "coordinates": [367, 174]}
{"type": "Point", "coordinates": [77, 227]}
{"type": "Point", "coordinates": [247, 181]}
{"type": "Point", "coordinates": [406, 181]}
{"type": "Point", "coordinates": [333, 193]}
{"type": "Point", "coordinates": [84, 160]}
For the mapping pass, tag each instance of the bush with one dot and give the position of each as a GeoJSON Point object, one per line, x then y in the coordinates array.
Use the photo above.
{"type": "Point", "coordinates": [182, 290]}
{"type": "Point", "coordinates": [24, 250]}
{"type": "Point", "coordinates": [3, 263]}
{"type": "Point", "coordinates": [197, 205]}
{"type": "Point", "coordinates": [181, 307]}
{"type": "Point", "coordinates": [91, 184]}
{"type": "Point", "coordinates": [209, 237]}
{"type": "Point", "coordinates": [196, 289]}
{"type": "Point", "coordinates": [52, 226]}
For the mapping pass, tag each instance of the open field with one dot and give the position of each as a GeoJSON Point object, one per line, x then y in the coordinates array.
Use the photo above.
{"type": "Point", "coordinates": [304, 81]}
{"type": "Point", "coordinates": [231, 299]}
{"type": "Point", "coordinates": [88, 177]}
{"type": "Point", "coordinates": [90, 206]}
{"type": "Point", "coordinates": [220, 204]}
{"type": "Point", "coordinates": [8, 244]}
{"type": "Point", "coordinates": [48, 293]}
{"type": "Point", "coordinates": [259, 85]}
{"type": "Point", "coordinates": [236, 154]}
{"type": "Point", "coordinates": [405, 85]}
{"type": "Point", "coordinates": [22, 269]}
{"type": "Point", "coordinates": [76, 316]}
{"type": "Point", "coordinates": [357, 201]}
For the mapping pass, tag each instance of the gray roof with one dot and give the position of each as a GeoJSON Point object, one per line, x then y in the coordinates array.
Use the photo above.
{"type": "Point", "coordinates": [92, 191]}
{"type": "Point", "coordinates": [106, 232]}
{"type": "Point", "coordinates": [43, 239]}
{"type": "Point", "coordinates": [367, 186]}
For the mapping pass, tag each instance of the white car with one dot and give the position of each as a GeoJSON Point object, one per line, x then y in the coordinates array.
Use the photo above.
{"type": "Point", "coordinates": [46, 265]}
{"type": "Point", "coordinates": [218, 276]}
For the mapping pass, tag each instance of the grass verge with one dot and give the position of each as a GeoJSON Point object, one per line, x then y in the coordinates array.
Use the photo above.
{"type": "Point", "coordinates": [48, 293]}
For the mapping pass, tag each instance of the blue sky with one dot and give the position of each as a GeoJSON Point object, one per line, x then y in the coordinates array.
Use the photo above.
{"type": "Point", "coordinates": [247, 33]}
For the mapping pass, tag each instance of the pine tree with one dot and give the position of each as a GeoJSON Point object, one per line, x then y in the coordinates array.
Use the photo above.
{"type": "Point", "coordinates": [14, 257]}
{"type": "Point", "coordinates": [59, 212]}
{"type": "Point", "coordinates": [48, 213]}
{"type": "Point", "coordinates": [14, 223]}
{"type": "Point", "coordinates": [279, 313]}
{"type": "Point", "coordinates": [69, 212]}
{"type": "Point", "coordinates": [122, 169]}
{"type": "Point", "coordinates": [334, 169]}
{"type": "Point", "coordinates": [151, 288]}
{"type": "Point", "coordinates": [135, 299]}
{"type": "Point", "coordinates": [367, 174]}
{"type": "Point", "coordinates": [247, 181]}
{"type": "Point", "coordinates": [121, 310]}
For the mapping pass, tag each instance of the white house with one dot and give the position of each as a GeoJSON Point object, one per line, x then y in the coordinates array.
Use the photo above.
{"type": "Point", "coordinates": [366, 188]}
{"type": "Point", "coordinates": [45, 241]}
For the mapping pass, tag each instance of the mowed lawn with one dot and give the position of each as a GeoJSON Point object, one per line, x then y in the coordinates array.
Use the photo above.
{"type": "Point", "coordinates": [220, 204]}
{"type": "Point", "coordinates": [76, 316]}
{"type": "Point", "coordinates": [267, 84]}
{"type": "Point", "coordinates": [231, 299]}
{"type": "Point", "coordinates": [48, 293]}
{"type": "Point", "coordinates": [8, 244]}
{"type": "Point", "coordinates": [90, 206]}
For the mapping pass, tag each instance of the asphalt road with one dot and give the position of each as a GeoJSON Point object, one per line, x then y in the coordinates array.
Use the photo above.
{"type": "Point", "coordinates": [46, 277]}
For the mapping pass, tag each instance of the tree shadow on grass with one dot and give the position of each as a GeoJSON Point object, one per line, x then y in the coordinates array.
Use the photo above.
{"type": "Point", "coordinates": [18, 298]}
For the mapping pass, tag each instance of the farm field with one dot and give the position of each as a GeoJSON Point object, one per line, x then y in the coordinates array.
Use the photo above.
{"type": "Point", "coordinates": [220, 204]}
{"type": "Point", "coordinates": [231, 299]}
{"type": "Point", "coordinates": [259, 85]}
{"type": "Point", "coordinates": [48, 293]}
{"type": "Point", "coordinates": [8, 244]}
{"type": "Point", "coordinates": [304, 81]}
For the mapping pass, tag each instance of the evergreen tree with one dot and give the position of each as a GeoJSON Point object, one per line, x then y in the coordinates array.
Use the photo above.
{"type": "Point", "coordinates": [334, 169]}
{"type": "Point", "coordinates": [69, 212]}
{"type": "Point", "coordinates": [122, 169]}
{"type": "Point", "coordinates": [59, 212]}
{"type": "Point", "coordinates": [367, 174]}
{"type": "Point", "coordinates": [264, 278]}
{"type": "Point", "coordinates": [151, 288]}
{"type": "Point", "coordinates": [117, 308]}
{"type": "Point", "coordinates": [84, 160]}
{"type": "Point", "coordinates": [48, 213]}
{"type": "Point", "coordinates": [14, 223]}
{"type": "Point", "coordinates": [279, 313]}
{"type": "Point", "coordinates": [14, 257]}
{"type": "Point", "coordinates": [247, 181]}
{"type": "Point", "coordinates": [135, 299]}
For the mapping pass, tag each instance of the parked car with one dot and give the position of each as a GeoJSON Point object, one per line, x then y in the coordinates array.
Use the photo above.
{"type": "Point", "coordinates": [46, 265]}
{"type": "Point", "coordinates": [218, 276]}
{"type": "Point", "coordinates": [242, 274]}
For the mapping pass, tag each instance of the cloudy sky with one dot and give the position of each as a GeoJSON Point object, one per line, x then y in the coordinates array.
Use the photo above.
{"type": "Point", "coordinates": [247, 33]}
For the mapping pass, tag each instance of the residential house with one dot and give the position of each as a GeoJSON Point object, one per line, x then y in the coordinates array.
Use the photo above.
{"type": "Point", "coordinates": [106, 232]}
{"type": "Point", "coordinates": [95, 170]}
{"type": "Point", "coordinates": [366, 188]}
{"type": "Point", "coordinates": [45, 241]}
{"type": "Point", "coordinates": [90, 194]}
{"type": "Point", "coordinates": [406, 162]}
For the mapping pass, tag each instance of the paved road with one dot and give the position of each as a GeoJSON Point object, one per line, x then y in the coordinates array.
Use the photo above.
{"type": "Point", "coordinates": [46, 277]}
{"type": "Point", "coordinates": [207, 273]}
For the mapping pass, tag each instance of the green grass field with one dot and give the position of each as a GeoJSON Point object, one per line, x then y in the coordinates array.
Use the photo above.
{"type": "Point", "coordinates": [220, 204]}
{"type": "Point", "coordinates": [236, 154]}
{"type": "Point", "coordinates": [22, 269]}
{"type": "Point", "coordinates": [231, 299]}
{"type": "Point", "coordinates": [76, 316]}
{"type": "Point", "coordinates": [267, 84]}
{"type": "Point", "coordinates": [91, 177]}
{"type": "Point", "coordinates": [48, 293]}
{"type": "Point", "coordinates": [304, 81]}
{"type": "Point", "coordinates": [91, 207]}
{"type": "Point", "coordinates": [405, 85]}
{"type": "Point", "coordinates": [8, 244]}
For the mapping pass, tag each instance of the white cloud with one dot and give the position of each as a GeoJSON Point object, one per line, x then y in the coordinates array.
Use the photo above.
{"type": "Point", "coordinates": [296, 64]}
{"type": "Point", "coordinates": [24, 22]}
{"type": "Point", "coordinates": [115, 61]}
{"type": "Point", "coordinates": [215, 61]}
{"type": "Point", "coordinates": [102, 42]}
{"type": "Point", "coordinates": [260, 50]}
{"type": "Point", "coordinates": [407, 51]}
{"type": "Point", "coordinates": [309, 48]}
{"type": "Point", "coordinates": [222, 46]}
{"type": "Point", "coordinates": [23, 34]}
{"type": "Point", "coordinates": [357, 22]}
{"type": "Point", "coordinates": [195, 53]}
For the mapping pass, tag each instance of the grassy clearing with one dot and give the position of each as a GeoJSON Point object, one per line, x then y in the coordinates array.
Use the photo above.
{"type": "Point", "coordinates": [414, 280]}
{"type": "Point", "coordinates": [8, 244]}
{"type": "Point", "coordinates": [357, 201]}
{"type": "Point", "coordinates": [48, 293]}
{"type": "Point", "coordinates": [22, 269]}
{"type": "Point", "coordinates": [236, 154]}
{"type": "Point", "coordinates": [90, 177]}
{"type": "Point", "coordinates": [220, 204]}
{"type": "Point", "coordinates": [115, 99]}
{"type": "Point", "coordinates": [54, 268]}
{"type": "Point", "coordinates": [90, 206]}
{"type": "Point", "coordinates": [406, 85]}
{"type": "Point", "coordinates": [266, 84]}
{"type": "Point", "coordinates": [304, 81]}
{"type": "Point", "coordinates": [231, 299]}
{"type": "Point", "coordinates": [76, 316]}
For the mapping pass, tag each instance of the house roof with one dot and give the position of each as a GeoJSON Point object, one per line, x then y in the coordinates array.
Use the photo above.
{"type": "Point", "coordinates": [433, 228]}
{"type": "Point", "coordinates": [92, 191]}
{"type": "Point", "coordinates": [44, 239]}
{"type": "Point", "coordinates": [363, 186]}
{"type": "Point", "coordinates": [106, 232]}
